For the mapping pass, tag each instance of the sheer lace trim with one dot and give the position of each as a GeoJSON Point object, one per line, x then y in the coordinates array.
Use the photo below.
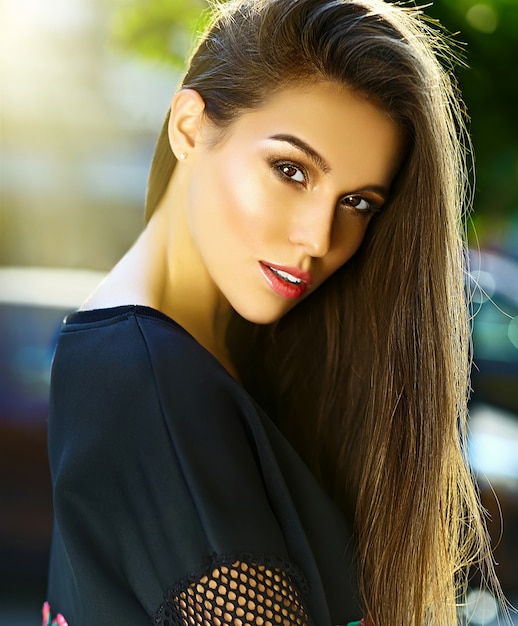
{"type": "Point", "coordinates": [238, 591]}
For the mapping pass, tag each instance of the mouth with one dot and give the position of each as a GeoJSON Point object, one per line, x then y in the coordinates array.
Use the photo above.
{"type": "Point", "coordinates": [286, 276]}
{"type": "Point", "coordinates": [287, 282]}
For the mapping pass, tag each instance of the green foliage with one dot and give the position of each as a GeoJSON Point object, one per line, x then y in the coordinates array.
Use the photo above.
{"type": "Point", "coordinates": [489, 29]}
{"type": "Point", "coordinates": [162, 29]}
{"type": "Point", "coordinates": [157, 29]}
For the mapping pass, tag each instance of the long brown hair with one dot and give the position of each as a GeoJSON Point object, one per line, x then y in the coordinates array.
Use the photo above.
{"type": "Point", "coordinates": [369, 376]}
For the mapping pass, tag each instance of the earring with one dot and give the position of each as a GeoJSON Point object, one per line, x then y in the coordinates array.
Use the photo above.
{"type": "Point", "coordinates": [183, 156]}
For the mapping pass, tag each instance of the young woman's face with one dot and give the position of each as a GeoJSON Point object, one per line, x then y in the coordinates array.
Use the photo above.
{"type": "Point", "coordinates": [285, 199]}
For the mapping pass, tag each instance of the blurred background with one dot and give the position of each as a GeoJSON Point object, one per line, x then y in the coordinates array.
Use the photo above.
{"type": "Point", "coordinates": [85, 85]}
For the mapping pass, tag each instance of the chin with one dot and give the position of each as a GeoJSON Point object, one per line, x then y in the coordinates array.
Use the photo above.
{"type": "Point", "coordinates": [255, 315]}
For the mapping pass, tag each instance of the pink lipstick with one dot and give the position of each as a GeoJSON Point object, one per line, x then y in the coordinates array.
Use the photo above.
{"type": "Point", "coordinates": [288, 282]}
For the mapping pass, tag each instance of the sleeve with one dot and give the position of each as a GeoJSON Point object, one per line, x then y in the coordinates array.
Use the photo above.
{"type": "Point", "coordinates": [249, 576]}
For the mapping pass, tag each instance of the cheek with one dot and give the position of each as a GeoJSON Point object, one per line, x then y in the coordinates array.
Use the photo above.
{"type": "Point", "coordinates": [241, 206]}
{"type": "Point", "coordinates": [213, 213]}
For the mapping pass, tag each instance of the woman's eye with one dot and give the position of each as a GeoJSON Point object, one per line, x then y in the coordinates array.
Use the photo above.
{"type": "Point", "coordinates": [360, 204]}
{"type": "Point", "coordinates": [357, 202]}
{"type": "Point", "coordinates": [292, 172]}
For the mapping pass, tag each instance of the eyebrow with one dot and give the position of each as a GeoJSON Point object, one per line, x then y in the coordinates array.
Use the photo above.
{"type": "Point", "coordinates": [319, 160]}
{"type": "Point", "coordinates": [306, 148]}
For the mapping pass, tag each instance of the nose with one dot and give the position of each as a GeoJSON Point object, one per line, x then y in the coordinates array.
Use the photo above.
{"type": "Point", "coordinates": [312, 228]}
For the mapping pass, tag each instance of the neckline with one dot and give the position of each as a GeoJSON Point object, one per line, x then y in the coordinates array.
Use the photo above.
{"type": "Point", "coordinates": [89, 316]}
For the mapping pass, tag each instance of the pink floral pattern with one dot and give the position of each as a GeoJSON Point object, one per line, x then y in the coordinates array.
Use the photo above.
{"type": "Point", "coordinates": [59, 620]}
{"type": "Point", "coordinates": [47, 619]}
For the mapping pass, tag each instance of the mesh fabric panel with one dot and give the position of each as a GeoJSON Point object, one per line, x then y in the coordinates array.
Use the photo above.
{"type": "Point", "coordinates": [237, 593]}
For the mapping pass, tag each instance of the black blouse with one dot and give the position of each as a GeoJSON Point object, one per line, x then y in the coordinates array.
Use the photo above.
{"type": "Point", "coordinates": [177, 500]}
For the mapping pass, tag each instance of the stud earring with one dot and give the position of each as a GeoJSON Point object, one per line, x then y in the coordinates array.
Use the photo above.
{"type": "Point", "coordinates": [183, 156]}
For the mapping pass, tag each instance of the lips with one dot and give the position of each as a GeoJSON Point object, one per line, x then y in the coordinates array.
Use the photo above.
{"type": "Point", "coordinates": [287, 282]}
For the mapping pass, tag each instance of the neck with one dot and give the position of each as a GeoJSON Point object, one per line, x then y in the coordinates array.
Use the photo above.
{"type": "Point", "coordinates": [182, 286]}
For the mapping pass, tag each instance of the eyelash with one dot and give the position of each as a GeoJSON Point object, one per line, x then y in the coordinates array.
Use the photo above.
{"type": "Point", "coordinates": [278, 167]}
{"type": "Point", "coordinates": [373, 209]}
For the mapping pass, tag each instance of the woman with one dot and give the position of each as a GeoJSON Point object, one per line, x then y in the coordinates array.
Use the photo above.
{"type": "Point", "coordinates": [296, 301]}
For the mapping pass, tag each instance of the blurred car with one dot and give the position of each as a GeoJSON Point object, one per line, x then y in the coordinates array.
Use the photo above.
{"type": "Point", "coordinates": [33, 303]}
{"type": "Point", "coordinates": [493, 445]}
{"type": "Point", "coordinates": [493, 283]}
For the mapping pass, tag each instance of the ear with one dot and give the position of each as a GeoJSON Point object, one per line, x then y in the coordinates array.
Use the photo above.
{"type": "Point", "coordinates": [185, 121]}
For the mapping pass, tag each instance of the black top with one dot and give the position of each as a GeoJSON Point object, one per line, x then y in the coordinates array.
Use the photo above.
{"type": "Point", "coordinates": [177, 500]}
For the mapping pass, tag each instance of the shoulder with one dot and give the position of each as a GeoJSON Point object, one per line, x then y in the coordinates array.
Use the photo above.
{"type": "Point", "coordinates": [132, 384]}
{"type": "Point", "coordinates": [129, 362]}
{"type": "Point", "coordinates": [136, 369]}
{"type": "Point", "coordinates": [140, 351]}
{"type": "Point", "coordinates": [131, 336]}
